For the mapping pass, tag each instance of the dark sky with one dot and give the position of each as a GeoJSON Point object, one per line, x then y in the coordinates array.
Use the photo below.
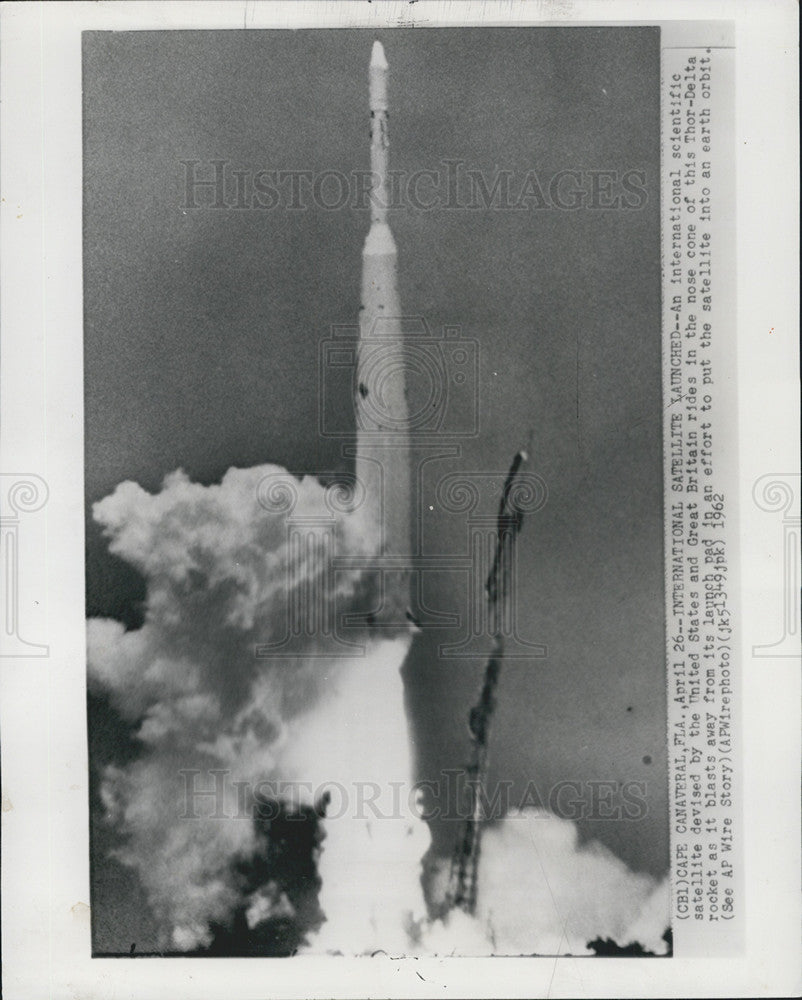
{"type": "Point", "coordinates": [203, 326]}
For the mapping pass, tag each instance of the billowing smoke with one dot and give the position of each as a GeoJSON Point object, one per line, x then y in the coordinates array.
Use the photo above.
{"type": "Point", "coordinates": [542, 892]}
{"type": "Point", "coordinates": [223, 712]}
{"type": "Point", "coordinates": [232, 569]}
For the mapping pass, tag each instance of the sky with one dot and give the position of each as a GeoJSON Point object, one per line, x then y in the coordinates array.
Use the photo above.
{"type": "Point", "coordinates": [203, 328]}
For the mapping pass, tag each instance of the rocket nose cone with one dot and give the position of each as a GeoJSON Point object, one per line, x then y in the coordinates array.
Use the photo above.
{"type": "Point", "coordinates": [378, 60]}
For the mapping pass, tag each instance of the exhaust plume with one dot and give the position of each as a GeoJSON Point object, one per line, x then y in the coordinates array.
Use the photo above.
{"type": "Point", "coordinates": [224, 573]}
{"type": "Point", "coordinates": [220, 570]}
{"type": "Point", "coordinates": [541, 892]}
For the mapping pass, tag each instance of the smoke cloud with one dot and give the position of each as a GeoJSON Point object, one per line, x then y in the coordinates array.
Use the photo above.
{"type": "Point", "coordinates": [542, 892]}
{"type": "Point", "coordinates": [226, 575]}
{"type": "Point", "coordinates": [229, 569]}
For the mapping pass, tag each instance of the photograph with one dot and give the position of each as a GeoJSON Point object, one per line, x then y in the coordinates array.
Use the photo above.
{"type": "Point", "coordinates": [399, 499]}
{"type": "Point", "coordinates": [374, 492]}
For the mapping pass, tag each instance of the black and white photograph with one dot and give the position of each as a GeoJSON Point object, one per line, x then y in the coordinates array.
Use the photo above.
{"type": "Point", "coordinates": [399, 499]}
{"type": "Point", "coordinates": [374, 492]}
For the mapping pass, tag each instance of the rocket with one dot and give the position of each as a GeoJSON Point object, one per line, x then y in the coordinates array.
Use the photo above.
{"type": "Point", "coordinates": [369, 868]}
{"type": "Point", "coordinates": [383, 453]}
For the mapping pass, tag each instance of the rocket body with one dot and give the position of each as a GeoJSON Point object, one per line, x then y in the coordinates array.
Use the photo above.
{"type": "Point", "coordinates": [370, 862]}
{"type": "Point", "coordinates": [383, 463]}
